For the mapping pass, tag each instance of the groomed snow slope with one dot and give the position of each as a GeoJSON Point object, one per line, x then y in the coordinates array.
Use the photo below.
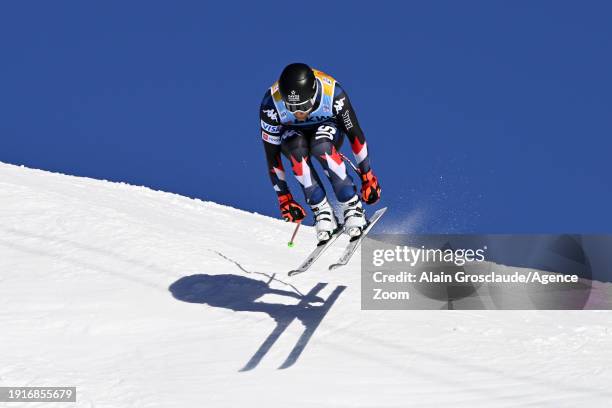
{"type": "Point", "coordinates": [86, 272]}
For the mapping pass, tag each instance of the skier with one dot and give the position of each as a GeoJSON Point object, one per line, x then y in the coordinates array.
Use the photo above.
{"type": "Point", "coordinates": [305, 115]}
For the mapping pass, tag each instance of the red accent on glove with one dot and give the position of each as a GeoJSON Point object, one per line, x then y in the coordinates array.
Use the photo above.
{"type": "Point", "coordinates": [370, 189]}
{"type": "Point", "coordinates": [290, 210]}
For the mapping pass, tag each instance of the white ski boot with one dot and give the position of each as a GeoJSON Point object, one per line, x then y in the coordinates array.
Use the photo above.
{"type": "Point", "coordinates": [354, 217]}
{"type": "Point", "coordinates": [325, 220]}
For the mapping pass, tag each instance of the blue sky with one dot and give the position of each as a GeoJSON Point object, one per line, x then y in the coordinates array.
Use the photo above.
{"type": "Point", "coordinates": [481, 116]}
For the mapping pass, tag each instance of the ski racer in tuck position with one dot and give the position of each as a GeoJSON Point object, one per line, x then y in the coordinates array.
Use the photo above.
{"type": "Point", "coordinates": [305, 115]}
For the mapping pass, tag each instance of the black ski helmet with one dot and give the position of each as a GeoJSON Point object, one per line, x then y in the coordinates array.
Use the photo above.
{"type": "Point", "coordinates": [298, 87]}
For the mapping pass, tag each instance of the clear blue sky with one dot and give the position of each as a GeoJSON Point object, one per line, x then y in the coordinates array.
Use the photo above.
{"type": "Point", "coordinates": [485, 116]}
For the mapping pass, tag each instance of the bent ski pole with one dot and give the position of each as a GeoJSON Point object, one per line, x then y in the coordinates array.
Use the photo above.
{"type": "Point", "coordinates": [295, 231]}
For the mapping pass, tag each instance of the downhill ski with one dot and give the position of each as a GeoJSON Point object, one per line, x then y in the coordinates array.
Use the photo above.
{"type": "Point", "coordinates": [354, 242]}
{"type": "Point", "coordinates": [314, 255]}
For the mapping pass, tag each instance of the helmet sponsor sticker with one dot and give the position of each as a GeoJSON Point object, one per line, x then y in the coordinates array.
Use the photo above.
{"type": "Point", "coordinates": [293, 97]}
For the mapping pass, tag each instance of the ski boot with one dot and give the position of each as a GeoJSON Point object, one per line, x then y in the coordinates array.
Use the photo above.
{"type": "Point", "coordinates": [354, 217]}
{"type": "Point", "coordinates": [326, 223]}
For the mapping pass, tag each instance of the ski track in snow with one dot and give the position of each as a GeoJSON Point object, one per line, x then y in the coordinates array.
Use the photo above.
{"type": "Point", "coordinates": [85, 301]}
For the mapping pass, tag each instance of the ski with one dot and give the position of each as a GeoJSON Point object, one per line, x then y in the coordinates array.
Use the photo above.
{"type": "Point", "coordinates": [314, 255]}
{"type": "Point", "coordinates": [354, 242]}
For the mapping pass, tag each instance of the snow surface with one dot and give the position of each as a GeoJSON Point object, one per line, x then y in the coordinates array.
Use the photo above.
{"type": "Point", "coordinates": [142, 298]}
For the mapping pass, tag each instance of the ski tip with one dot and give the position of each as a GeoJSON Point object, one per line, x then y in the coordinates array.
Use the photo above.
{"type": "Point", "coordinates": [380, 211]}
{"type": "Point", "coordinates": [333, 266]}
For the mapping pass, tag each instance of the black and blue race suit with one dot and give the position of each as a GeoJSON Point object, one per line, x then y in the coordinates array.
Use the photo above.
{"type": "Point", "coordinates": [318, 137]}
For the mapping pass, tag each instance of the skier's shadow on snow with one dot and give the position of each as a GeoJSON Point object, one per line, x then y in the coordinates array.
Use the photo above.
{"type": "Point", "coordinates": [240, 294]}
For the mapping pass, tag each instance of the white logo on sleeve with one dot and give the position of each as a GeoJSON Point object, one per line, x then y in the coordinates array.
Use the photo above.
{"type": "Point", "coordinates": [271, 114]}
{"type": "Point", "coordinates": [339, 104]}
{"type": "Point", "coordinates": [346, 118]}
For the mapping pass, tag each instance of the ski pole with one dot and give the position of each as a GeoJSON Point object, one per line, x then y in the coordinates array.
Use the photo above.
{"type": "Point", "coordinates": [346, 159]}
{"type": "Point", "coordinates": [297, 227]}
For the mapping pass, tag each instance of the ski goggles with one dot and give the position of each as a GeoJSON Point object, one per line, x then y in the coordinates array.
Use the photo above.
{"type": "Point", "coordinates": [303, 107]}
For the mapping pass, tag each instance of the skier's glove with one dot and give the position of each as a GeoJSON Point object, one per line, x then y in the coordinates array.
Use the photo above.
{"type": "Point", "coordinates": [370, 189]}
{"type": "Point", "coordinates": [290, 210]}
